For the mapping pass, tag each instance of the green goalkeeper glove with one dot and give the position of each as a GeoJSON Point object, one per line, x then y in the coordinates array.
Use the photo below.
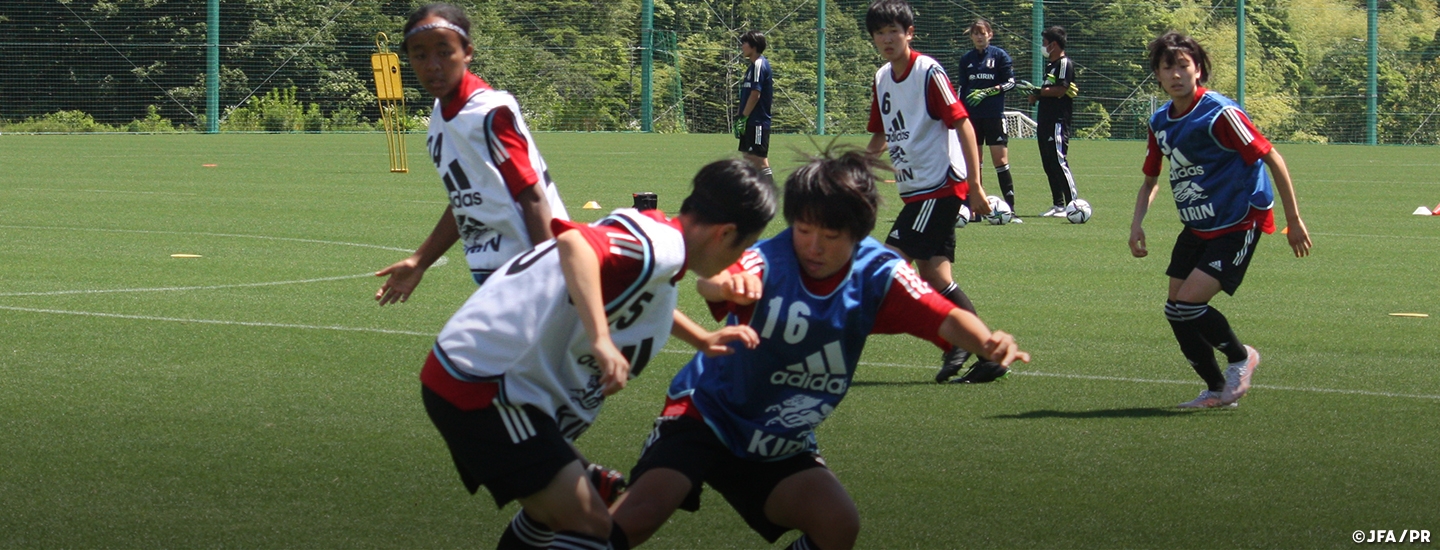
{"type": "Point", "coordinates": [1072, 91]}
{"type": "Point", "coordinates": [1025, 87]}
{"type": "Point", "coordinates": [740, 127]}
{"type": "Point", "coordinates": [979, 94]}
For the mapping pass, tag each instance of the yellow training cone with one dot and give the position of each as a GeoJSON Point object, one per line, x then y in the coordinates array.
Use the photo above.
{"type": "Point", "coordinates": [592, 205]}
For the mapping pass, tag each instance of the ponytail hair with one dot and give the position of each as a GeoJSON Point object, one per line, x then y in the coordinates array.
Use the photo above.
{"type": "Point", "coordinates": [731, 191]}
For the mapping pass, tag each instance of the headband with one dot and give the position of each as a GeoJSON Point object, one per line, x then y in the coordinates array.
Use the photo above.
{"type": "Point", "coordinates": [439, 25]}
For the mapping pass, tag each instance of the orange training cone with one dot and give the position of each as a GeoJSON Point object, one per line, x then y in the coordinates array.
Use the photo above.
{"type": "Point", "coordinates": [1436, 211]}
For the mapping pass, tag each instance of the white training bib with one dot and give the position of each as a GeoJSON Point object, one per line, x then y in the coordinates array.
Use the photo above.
{"type": "Point", "coordinates": [468, 157]}
{"type": "Point", "coordinates": [520, 329]}
{"type": "Point", "coordinates": [924, 150]}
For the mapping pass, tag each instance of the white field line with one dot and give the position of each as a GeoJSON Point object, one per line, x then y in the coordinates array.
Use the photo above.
{"type": "Point", "coordinates": [202, 234]}
{"type": "Point", "coordinates": [183, 288]}
{"type": "Point", "coordinates": [105, 191]}
{"type": "Point", "coordinates": [679, 351]}
{"type": "Point", "coordinates": [1145, 380]}
{"type": "Point", "coordinates": [215, 321]}
{"type": "Point", "coordinates": [1358, 236]}
{"type": "Point", "coordinates": [439, 263]}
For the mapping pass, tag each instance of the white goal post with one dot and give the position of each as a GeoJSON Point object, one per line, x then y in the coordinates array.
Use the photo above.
{"type": "Point", "coordinates": [1017, 125]}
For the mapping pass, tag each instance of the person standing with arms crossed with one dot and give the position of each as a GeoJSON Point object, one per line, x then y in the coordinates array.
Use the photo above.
{"type": "Point", "coordinates": [1056, 97]}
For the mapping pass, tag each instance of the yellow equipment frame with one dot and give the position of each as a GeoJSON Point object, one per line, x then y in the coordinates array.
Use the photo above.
{"type": "Point", "coordinates": [391, 96]}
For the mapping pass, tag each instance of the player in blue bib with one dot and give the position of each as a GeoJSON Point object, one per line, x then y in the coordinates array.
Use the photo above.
{"type": "Point", "coordinates": [745, 423]}
{"type": "Point", "coordinates": [1225, 199]}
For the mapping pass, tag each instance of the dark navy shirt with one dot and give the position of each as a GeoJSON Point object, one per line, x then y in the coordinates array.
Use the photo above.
{"type": "Point", "coordinates": [757, 77]}
{"type": "Point", "coordinates": [986, 69]}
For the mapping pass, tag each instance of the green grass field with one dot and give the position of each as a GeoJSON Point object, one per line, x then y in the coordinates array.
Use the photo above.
{"type": "Point", "coordinates": [257, 397]}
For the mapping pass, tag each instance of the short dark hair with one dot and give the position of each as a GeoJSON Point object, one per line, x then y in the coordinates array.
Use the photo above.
{"type": "Point", "coordinates": [835, 190]}
{"type": "Point", "coordinates": [885, 12]}
{"type": "Point", "coordinates": [1172, 45]}
{"type": "Point", "coordinates": [731, 191]}
{"type": "Point", "coordinates": [448, 12]}
{"type": "Point", "coordinates": [755, 39]}
{"type": "Point", "coordinates": [1054, 35]}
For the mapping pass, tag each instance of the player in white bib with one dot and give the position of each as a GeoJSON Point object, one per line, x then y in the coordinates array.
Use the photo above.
{"type": "Point", "coordinates": [501, 197]}
{"type": "Point", "coordinates": [522, 369]}
{"type": "Point", "coordinates": [916, 114]}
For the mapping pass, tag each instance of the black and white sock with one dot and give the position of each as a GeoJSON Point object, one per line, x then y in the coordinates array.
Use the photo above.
{"type": "Point", "coordinates": [1197, 350]}
{"type": "Point", "coordinates": [524, 533]}
{"type": "Point", "coordinates": [958, 297]}
{"type": "Point", "coordinates": [803, 543]}
{"type": "Point", "coordinates": [766, 175]}
{"type": "Point", "coordinates": [571, 540]}
{"type": "Point", "coordinates": [1007, 185]}
{"type": "Point", "coordinates": [1216, 330]}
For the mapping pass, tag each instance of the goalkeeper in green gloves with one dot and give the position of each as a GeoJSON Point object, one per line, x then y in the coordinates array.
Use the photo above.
{"type": "Point", "coordinates": [983, 77]}
{"type": "Point", "coordinates": [752, 125]}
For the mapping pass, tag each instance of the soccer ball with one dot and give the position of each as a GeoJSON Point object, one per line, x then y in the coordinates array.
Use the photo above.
{"type": "Point", "coordinates": [1078, 211]}
{"type": "Point", "coordinates": [1000, 213]}
{"type": "Point", "coordinates": [964, 218]}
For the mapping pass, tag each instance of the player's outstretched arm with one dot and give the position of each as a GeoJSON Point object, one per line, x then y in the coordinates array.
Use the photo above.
{"type": "Point", "coordinates": [582, 279]}
{"type": "Point", "coordinates": [978, 203]}
{"type": "Point", "coordinates": [742, 288]}
{"type": "Point", "coordinates": [405, 274]}
{"type": "Point", "coordinates": [712, 343]}
{"type": "Point", "coordinates": [1142, 206]}
{"type": "Point", "coordinates": [962, 328]}
{"type": "Point", "coordinates": [1298, 236]}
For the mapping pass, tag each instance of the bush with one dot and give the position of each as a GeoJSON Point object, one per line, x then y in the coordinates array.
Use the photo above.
{"type": "Point", "coordinates": [153, 123]}
{"type": "Point", "coordinates": [347, 119]}
{"type": "Point", "coordinates": [60, 122]}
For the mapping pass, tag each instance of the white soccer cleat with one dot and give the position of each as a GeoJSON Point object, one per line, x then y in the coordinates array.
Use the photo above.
{"type": "Point", "coordinates": [1053, 212]}
{"type": "Point", "coordinates": [1016, 220]}
{"type": "Point", "coordinates": [1237, 376]}
{"type": "Point", "coordinates": [1207, 400]}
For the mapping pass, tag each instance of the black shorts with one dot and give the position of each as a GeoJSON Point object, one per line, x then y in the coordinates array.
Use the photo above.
{"type": "Point", "coordinates": [483, 444]}
{"type": "Point", "coordinates": [756, 140]}
{"type": "Point", "coordinates": [1225, 257]}
{"type": "Point", "coordinates": [990, 131]}
{"type": "Point", "coordinates": [925, 229]}
{"type": "Point", "coordinates": [690, 447]}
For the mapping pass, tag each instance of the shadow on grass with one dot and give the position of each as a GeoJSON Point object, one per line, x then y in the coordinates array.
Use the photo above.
{"type": "Point", "coordinates": [856, 383]}
{"type": "Point", "coordinates": [1136, 412]}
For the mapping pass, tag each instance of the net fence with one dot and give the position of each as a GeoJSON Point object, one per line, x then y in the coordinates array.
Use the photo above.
{"type": "Point", "coordinates": [577, 65]}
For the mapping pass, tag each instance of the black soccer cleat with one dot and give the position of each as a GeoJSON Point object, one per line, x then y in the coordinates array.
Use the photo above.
{"type": "Point", "coordinates": [609, 483]}
{"type": "Point", "coordinates": [981, 372]}
{"type": "Point", "coordinates": [950, 365]}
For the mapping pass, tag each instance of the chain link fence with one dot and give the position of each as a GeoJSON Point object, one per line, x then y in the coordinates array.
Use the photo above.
{"type": "Point", "coordinates": [303, 65]}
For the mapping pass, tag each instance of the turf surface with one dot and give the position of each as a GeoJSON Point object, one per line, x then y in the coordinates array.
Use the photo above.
{"type": "Point", "coordinates": [257, 397]}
